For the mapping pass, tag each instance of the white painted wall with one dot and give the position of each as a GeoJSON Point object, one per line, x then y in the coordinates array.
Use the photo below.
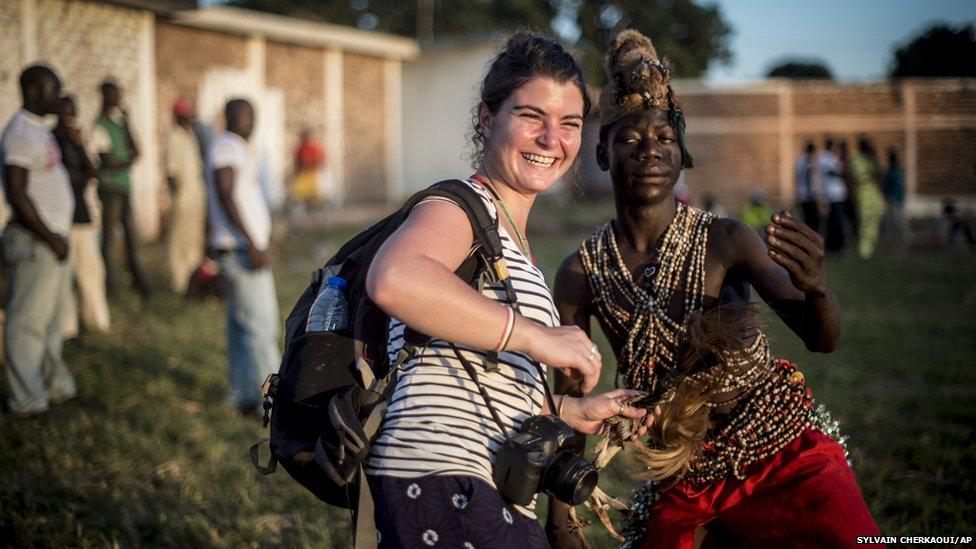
{"type": "Point", "coordinates": [439, 91]}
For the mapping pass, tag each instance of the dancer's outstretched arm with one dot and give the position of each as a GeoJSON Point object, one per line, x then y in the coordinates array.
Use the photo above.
{"type": "Point", "coordinates": [789, 274]}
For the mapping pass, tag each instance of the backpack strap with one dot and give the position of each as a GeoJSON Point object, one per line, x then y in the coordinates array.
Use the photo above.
{"type": "Point", "coordinates": [485, 228]}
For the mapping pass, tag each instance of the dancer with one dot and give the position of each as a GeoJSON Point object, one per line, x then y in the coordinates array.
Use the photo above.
{"type": "Point", "coordinates": [737, 450]}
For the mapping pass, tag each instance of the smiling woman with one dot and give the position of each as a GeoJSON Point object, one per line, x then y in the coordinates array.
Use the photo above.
{"type": "Point", "coordinates": [431, 469]}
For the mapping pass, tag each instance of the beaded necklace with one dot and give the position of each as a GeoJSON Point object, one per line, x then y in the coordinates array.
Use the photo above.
{"type": "Point", "coordinates": [772, 403]}
{"type": "Point", "coordinates": [652, 336]}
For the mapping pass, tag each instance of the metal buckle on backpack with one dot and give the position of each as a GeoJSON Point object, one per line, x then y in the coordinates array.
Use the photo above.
{"type": "Point", "coordinates": [501, 268]}
{"type": "Point", "coordinates": [270, 386]}
{"type": "Point", "coordinates": [268, 390]}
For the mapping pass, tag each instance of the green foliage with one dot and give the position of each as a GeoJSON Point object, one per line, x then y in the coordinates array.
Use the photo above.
{"type": "Point", "coordinates": [449, 18]}
{"type": "Point", "coordinates": [940, 50]}
{"type": "Point", "coordinates": [801, 70]}
{"type": "Point", "coordinates": [692, 36]}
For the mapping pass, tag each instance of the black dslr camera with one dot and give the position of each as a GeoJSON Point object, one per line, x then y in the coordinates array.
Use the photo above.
{"type": "Point", "coordinates": [538, 459]}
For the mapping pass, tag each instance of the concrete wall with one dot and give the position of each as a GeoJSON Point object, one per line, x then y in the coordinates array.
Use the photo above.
{"type": "Point", "coordinates": [439, 90]}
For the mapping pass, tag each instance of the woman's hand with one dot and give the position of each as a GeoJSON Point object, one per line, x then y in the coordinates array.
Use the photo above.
{"type": "Point", "coordinates": [565, 348]}
{"type": "Point", "coordinates": [588, 415]}
{"type": "Point", "coordinates": [799, 250]}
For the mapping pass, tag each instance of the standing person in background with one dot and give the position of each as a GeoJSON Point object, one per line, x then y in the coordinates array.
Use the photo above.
{"type": "Point", "coordinates": [309, 159]}
{"type": "Point", "coordinates": [866, 176]}
{"type": "Point", "coordinates": [89, 268]}
{"type": "Point", "coordinates": [184, 175]}
{"type": "Point", "coordinates": [893, 189]}
{"type": "Point", "coordinates": [850, 205]}
{"type": "Point", "coordinates": [805, 194]}
{"type": "Point", "coordinates": [117, 151]}
{"type": "Point", "coordinates": [240, 231]}
{"type": "Point", "coordinates": [835, 192]}
{"type": "Point", "coordinates": [35, 250]}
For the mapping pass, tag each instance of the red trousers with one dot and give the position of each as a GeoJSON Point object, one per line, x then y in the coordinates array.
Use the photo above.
{"type": "Point", "coordinates": [803, 496]}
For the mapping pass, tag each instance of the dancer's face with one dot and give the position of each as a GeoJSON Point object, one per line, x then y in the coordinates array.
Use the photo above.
{"type": "Point", "coordinates": [641, 152]}
{"type": "Point", "coordinates": [534, 137]}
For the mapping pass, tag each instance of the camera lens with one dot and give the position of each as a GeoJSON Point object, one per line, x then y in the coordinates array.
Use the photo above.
{"type": "Point", "coordinates": [570, 478]}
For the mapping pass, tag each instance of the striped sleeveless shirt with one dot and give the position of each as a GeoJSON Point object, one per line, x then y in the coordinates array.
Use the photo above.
{"type": "Point", "coordinates": [437, 422]}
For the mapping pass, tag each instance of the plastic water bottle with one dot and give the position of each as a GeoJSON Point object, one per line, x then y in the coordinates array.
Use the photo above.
{"type": "Point", "coordinates": [330, 311]}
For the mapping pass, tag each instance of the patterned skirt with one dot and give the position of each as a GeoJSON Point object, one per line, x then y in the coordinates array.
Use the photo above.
{"type": "Point", "coordinates": [449, 511]}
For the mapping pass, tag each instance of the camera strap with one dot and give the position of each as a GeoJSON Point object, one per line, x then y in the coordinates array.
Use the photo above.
{"type": "Point", "coordinates": [473, 374]}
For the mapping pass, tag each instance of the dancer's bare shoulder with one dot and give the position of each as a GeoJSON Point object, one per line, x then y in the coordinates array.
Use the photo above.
{"type": "Point", "coordinates": [571, 291]}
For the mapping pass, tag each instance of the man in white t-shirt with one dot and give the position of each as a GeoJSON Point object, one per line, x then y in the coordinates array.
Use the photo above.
{"type": "Point", "coordinates": [240, 231]}
{"type": "Point", "coordinates": [35, 249]}
{"type": "Point", "coordinates": [835, 191]}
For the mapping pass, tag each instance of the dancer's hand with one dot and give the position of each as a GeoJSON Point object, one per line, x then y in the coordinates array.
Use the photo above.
{"type": "Point", "coordinates": [567, 349]}
{"type": "Point", "coordinates": [561, 534]}
{"type": "Point", "coordinates": [798, 249]}
{"type": "Point", "coordinates": [588, 415]}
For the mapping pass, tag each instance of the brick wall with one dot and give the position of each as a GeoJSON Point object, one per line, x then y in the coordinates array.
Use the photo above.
{"type": "Point", "coordinates": [364, 123]}
{"type": "Point", "coordinates": [109, 38]}
{"type": "Point", "coordinates": [748, 137]}
{"type": "Point", "coordinates": [183, 58]}
{"type": "Point", "coordinates": [730, 104]}
{"type": "Point", "coordinates": [84, 42]}
{"type": "Point", "coordinates": [10, 61]}
{"type": "Point", "coordinates": [729, 168]}
{"type": "Point", "coordinates": [819, 99]}
{"type": "Point", "coordinates": [947, 162]}
{"type": "Point", "coordinates": [941, 102]}
{"type": "Point", "coordinates": [298, 72]}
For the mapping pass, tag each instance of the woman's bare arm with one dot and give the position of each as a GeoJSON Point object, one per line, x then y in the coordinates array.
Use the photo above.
{"type": "Point", "coordinates": [412, 278]}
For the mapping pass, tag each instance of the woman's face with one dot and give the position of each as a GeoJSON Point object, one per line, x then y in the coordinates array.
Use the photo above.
{"type": "Point", "coordinates": [533, 139]}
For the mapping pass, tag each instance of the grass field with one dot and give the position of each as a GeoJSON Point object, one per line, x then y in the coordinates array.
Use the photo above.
{"type": "Point", "coordinates": [149, 455]}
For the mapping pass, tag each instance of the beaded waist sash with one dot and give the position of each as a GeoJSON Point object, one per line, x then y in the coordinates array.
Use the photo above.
{"type": "Point", "coordinates": [770, 416]}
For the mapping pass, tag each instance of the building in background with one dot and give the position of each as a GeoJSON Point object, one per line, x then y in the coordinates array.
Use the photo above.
{"type": "Point", "coordinates": [440, 88]}
{"type": "Point", "coordinates": [394, 119]}
{"type": "Point", "coordinates": [342, 83]}
{"type": "Point", "coordinates": [744, 137]}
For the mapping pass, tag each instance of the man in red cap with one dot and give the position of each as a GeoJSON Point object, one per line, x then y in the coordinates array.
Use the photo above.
{"type": "Point", "coordinates": [184, 173]}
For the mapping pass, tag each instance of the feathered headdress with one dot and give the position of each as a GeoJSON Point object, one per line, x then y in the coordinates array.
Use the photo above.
{"type": "Point", "coordinates": [637, 80]}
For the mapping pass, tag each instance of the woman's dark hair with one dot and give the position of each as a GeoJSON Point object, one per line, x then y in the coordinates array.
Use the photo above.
{"type": "Point", "coordinates": [525, 56]}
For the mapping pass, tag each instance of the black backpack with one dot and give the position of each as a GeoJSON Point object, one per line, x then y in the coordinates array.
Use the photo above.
{"type": "Point", "coordinates": [326, 403]}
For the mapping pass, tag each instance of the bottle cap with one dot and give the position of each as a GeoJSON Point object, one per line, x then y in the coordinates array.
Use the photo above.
{"type": "Point", "coordinates": [337, 281]}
